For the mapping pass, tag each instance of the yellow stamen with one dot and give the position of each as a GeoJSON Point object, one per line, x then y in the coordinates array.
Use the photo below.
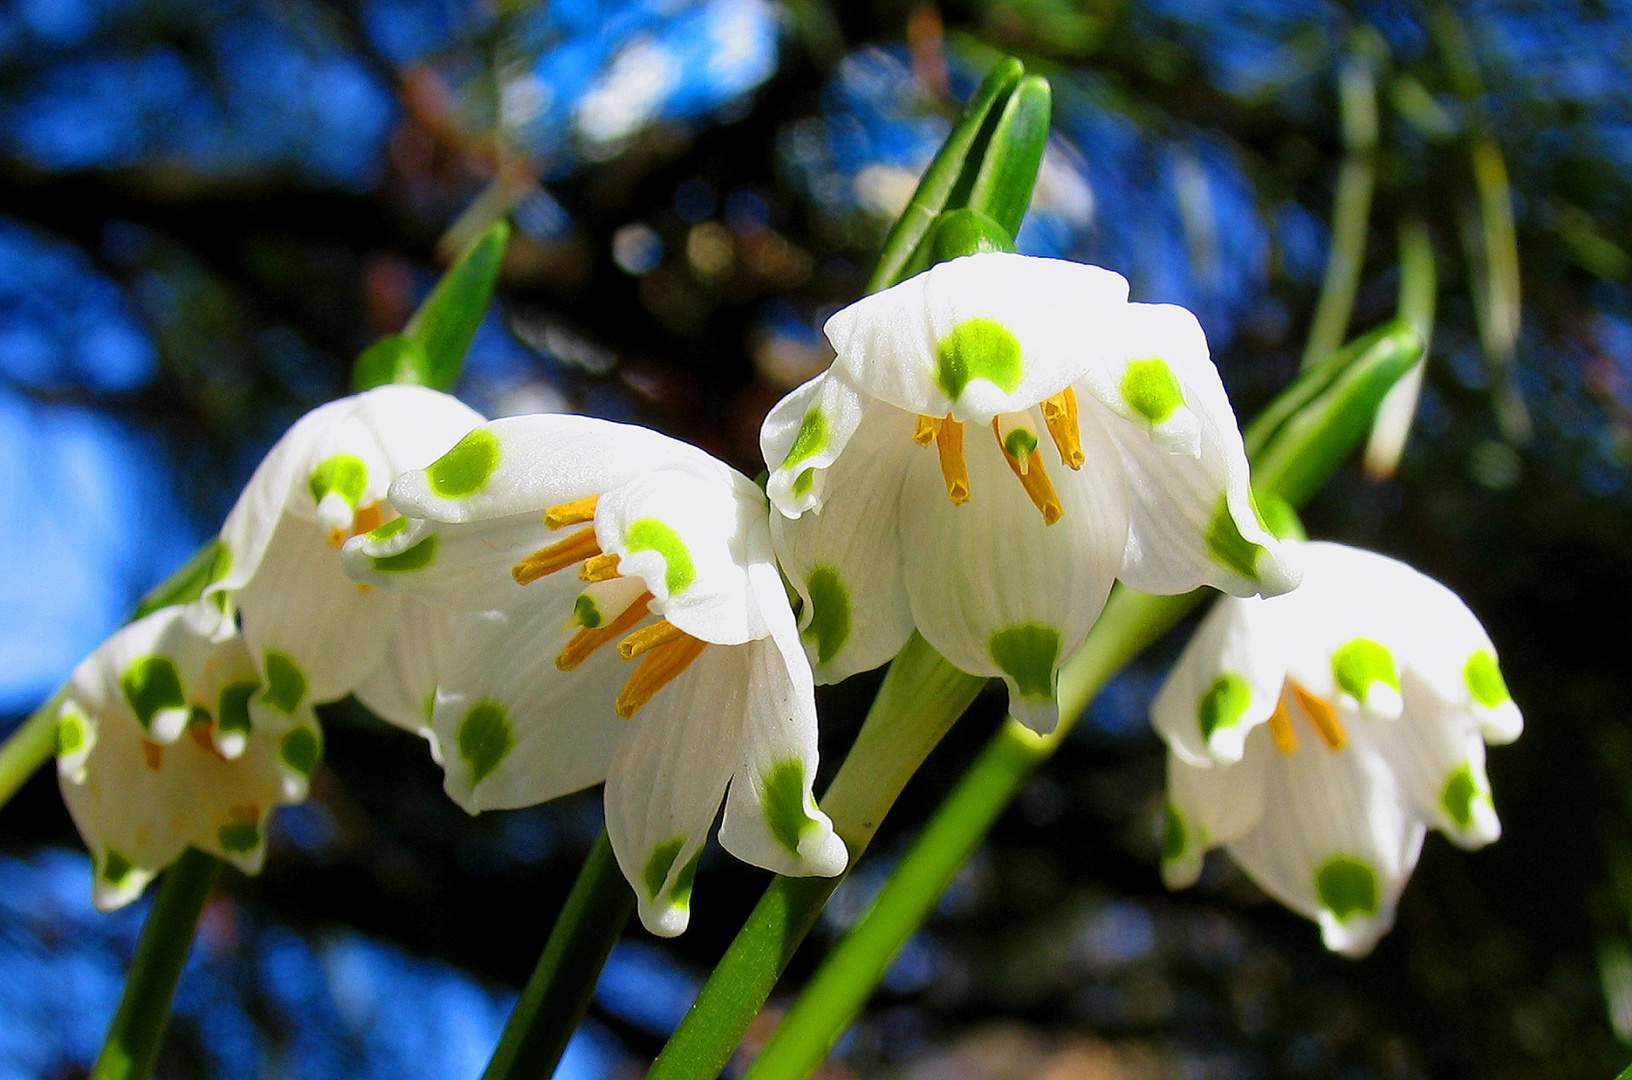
{"type": "Point", "coordinates": [1322, 716]}
{"type": "Point", "coordinates": [1280, 729]}
{"type": "Point", "coordinates": [600, 568]}
{"type": "Point", "coordinates": [153, 754]}
{"type": "Point", "coordinates": [559, 555]}
{"type": "Point", "coordinates": [336, 537]}
{"type": "Point", "coordinates": [587, 641]}
{"type": "Point", "coordinates": [648, 638]}
{"type": "Point", "coordinates": [1034, 478]}
{"type": "Point", "coordinates": [925, 430]}
{"type": "Point", "coordinates": [368, 519]}
{"type": "Point", "coordinates": [1060, 414]}
{"type": "Point", "coordinates": [949, 441]}
{"type": "Point", "coordinates": [660, 667]}
{"type": "Point", "coordinates": [575, 512]}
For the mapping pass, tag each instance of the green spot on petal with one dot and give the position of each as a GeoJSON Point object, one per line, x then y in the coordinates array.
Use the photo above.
{"type": "Point", "coordinates": [1457, 798]}
{"type": "Point", "coordinates": [785, 803]}
{"type": "Point", "coordinates": [658, 865]}
{"type": "Point", "coordinates": [1020, 443]}
{"type": "Point", "coordinates": [301, 750]}
{"type": "Point", "coordinates": [221, 564]}
{"type": "Point", "coordinates": [464, 469]}
{"type": "Point", "coordinates": [650, 534]}
{"type": "Point", "coordinates": [1224, 703]}
{"type": "Point", "coordinates": [285, 683]}
{"type": "Point", "coordinates": [680, 895]}
{"type": "Point", "coordinates": [115, 867]}
{"type": "Point", "coordinates": [343, 474]}
{"type": "Point", "coordinates": [232, 714]}
{"type": "Point", "coordinates": [485, 738]}
{"type": "Point", "coordinates": [417, 557]}
{"type": "Point", "coordinates": [804, 482]}
{"type": "Point", "coordinates": [585, 613]}
{"type": "Point", "coordinates": [1346, 886]}
{"type": "Point", "coordinates": [811, 439]}
{"type": "Point", "coordinates": [1026, 654]}
{"type": "Point", "coordinates": [389, 529]}
{"type": "Point", "coordinates": [830, 613]}
{"type": "Point", "coordinates": [152, 684]}
{"type": "Point", "coordinates": [1484, 679]}
{"type": "Point", "coordinates": [1151, 389]}
{"type": "Point", "coordinates": [1228, 546]}
{"type": "Point", "coordinates": [1361, 662]}
{"type": "Point", "coordinates": [70, 733]}
{"type": "Point", "coordinates": [978, 349]}
{"type": "Point", "coordinates": [239, 836]}
{"type": "Point", "coordinates": [1173, 835]}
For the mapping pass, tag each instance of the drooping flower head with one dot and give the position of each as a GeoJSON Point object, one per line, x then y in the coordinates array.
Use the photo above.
{"type": "Point", "coordinates": [632, 628]}
{"type": "Point", "coordinates": [1317, 735]}
{"type": "Point", "coordinates": [162, 743]}
{"type": "Point", "coordinates": [313, 634]}
{"type": "Point", "coordinates": [999, 439]}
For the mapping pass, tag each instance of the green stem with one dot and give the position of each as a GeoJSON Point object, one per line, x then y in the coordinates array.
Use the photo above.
{"type": "Point", "coordinates": [138, 1027]}
{"type": "Point", "coordinates": [558, 993]}
{"type": "Point", "coordinates": [27, 748]}
{"type": "Point", "coordinates": [921, 697]}
{"type": "Point", "coordinates": [1350, 210]}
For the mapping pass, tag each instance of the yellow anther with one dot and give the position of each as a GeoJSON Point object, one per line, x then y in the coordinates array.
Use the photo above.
{"type": "Point", "coordinates": [336, 537]}
{"type": "Point", "coordinates": [368, 519]}
{"type": "Point", "coordinates": [1322, 716]}
{"type": "Point", "coordinates": [587, 641]}
{"type": "Point", "coordinates": [659, 668]}
{"type": "Point", "coordinates": [1033, 477]}
{"type": "Point", "coordinates": [648, 638]}
{"type": "Point", "coordinates": [925, 430]}
{"type": "Point", "coordinates": [600, 567]}
{"type": "Point", "coordinates": [575, 512]}
{"type": "Point", "coordinates": [954, 470]}
{"type": "Point", "coordinates": [1060, 414]}
{"type": "Point", "coordinates": [559, 555]}
{"type": "Point", "coordinates": [153, 754]}
{"type": "Point", "coordinates": [1280, 729]}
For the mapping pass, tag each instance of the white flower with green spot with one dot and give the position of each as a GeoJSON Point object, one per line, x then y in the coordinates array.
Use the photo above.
{"type": "Point", "coordinates": [162, 743]}
{"type": "Point", "coordinates": [627, 623]}
{"type": "Point", "coordinates": [1317, 736]}
{"type": "Point", "coordinates": [998, 440]}
{"type": "Point", "coordinates": [314, 634]}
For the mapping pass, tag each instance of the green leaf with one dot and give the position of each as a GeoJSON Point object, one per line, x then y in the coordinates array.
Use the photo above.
{"type": "Point", "coordinates": [968, 232]}
{"type": "Point", "coordinates": [942, 179]}
{"type": "Point", "coordinates": [208, 564]}
{"type": "Point", "coordinates": [444, 324]}
{"type": "Point", "coordinates": [1008, 171]}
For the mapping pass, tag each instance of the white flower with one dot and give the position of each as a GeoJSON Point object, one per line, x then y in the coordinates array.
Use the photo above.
{"type": "Point", "coordinates": [629, 625]}
{"type": "Point", "coordinates": [162, 742]}
{"type": "Point", "coordinates": [999, 439]}
{"type": "Point", "coordinates": [314, 634]}
{"type": "Point", "coordinates": [1317, 735]}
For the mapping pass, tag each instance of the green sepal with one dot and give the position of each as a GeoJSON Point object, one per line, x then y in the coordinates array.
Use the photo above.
{"type": "Point", "coordinates": [444, 324]}
{"type": "Point", "coordinates": [946, 176]}
{"type": "Point", "coordinates": [1008, 171]}
{"type": "Point", "coordinates": [1278, 516]}
{"type": "Point", "coordinates": [208, 564]}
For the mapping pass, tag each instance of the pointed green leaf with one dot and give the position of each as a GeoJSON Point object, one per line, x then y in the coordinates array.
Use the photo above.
{"type": "Point", "coordinates": [1008, 171]}
{"type": "Point", "coordinates": [392, 359]}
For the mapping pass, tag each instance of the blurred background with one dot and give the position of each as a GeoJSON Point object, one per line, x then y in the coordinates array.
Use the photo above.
{"type": "Point", "coordinates": [208, 207]}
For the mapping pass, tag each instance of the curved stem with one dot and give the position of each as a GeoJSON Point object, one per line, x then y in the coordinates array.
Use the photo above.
{"type": "Point", "coordinates": [26, 749]}
{"type": "Point", "coordinates": [137, 1030]}
{"type": "Point", "coordinates": [562, 984]}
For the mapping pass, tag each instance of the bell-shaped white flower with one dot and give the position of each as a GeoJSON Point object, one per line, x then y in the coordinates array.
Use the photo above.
{"type": "Point", "coordinates": [998, 440]}
{"type": "Point", "coordinates": [1317, 735]}
{"type": "Point", "coordinates": [313, 633]}
{"type": "Point", "coordinates": [624, 620]}
{"type": "Point", "coordinates": [163, 742]}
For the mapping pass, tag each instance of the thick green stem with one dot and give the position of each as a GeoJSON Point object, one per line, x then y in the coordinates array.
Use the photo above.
{"type": "Point", "coordinates": [26, 749]}
{"type": "Point", "coordinates": [138, 1027]}
{"type": "Point", "coordinates": [922, 696]}
{"type": "Point", "coordinates": [558, 993]}
{"type": "Point", "coordinates": [1350, 210]}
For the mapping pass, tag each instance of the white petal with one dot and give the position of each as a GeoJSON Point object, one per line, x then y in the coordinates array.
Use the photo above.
{"type": "Point", "coordinates": [1336, 841]}
{"type": "Point", "coordinates": [1228, 681]}
{"type": "Point", "coordinates": [668, 777]}
{"type": "Point", "coordinates": [992, 587]}
{"type": "Point", "coordinates": [771, 819]}
{"type": "Point", "coordinates": [804, 434]}
{"type": "Point", "coordinates": [148, 670]}
{"type": "Point", "coordinates": [1439, 758]}
{"type": "Point", "coordinates": [1208, 806]}
{"type": "Point", "coordinates": [464, 566]}
{"type": "Point", "coordinates": [845, 559]}
{"type": "Point", "coordinates": [980, 335]}
{"type": "Point", "coordinates": [514, 729]}
{"type": "Point", "coordinates": [1193, 519]}
{"type": "Point", "coordinates": [314, 632]}
{"type": "Point", "coordinates": [402, 687]}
